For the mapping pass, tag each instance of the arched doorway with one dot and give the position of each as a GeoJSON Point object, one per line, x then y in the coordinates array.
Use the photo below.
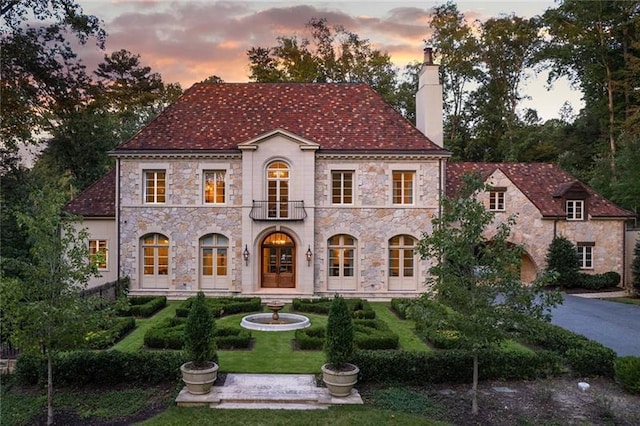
{"type": "Point", "coordinates": [278, 261]}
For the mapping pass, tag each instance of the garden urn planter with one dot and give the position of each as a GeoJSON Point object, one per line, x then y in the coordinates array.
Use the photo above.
{"type": "Point", "coordinates": [340, 382]}
{"type": "Point", "coordinates": [199, 380]}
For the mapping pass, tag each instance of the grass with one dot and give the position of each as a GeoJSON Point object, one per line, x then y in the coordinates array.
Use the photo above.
{"type": "Point", "coordinates": [403, 328]}
{"type": "Point", "coordinates": [134, 341]}
{"type": "Point", "coordinates": [626, 300]}
{"type": "Point", "coordinates": [339, 416]}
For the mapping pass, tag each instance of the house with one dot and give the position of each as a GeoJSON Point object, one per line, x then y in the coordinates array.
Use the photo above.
{"type": "Point", "coordinates": [549, 202]}
{"type": "Point", "coordinates": [287, 190]}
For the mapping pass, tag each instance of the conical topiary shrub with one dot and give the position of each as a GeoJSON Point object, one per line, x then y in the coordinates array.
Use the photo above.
{"type": "Point", "coordinates": [199, 373]}
{"type": "Point", "coordinates": [338, 374]}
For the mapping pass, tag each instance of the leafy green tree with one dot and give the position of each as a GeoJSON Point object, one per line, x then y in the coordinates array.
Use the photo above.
{"type": "Point", "coordinates": [44, 310]}
{"type": "Point", "coordinates": [41, 74]}
{"type": "Point", "coordinates": [635, 268]}
{"type": "Point", "coordinates": [477, 277]}
{"type": "Point", "coordinates": [562, 258]}
{"type": "Point", "coordinates": [330, 55]}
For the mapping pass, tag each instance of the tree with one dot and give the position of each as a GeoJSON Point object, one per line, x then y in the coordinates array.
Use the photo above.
{"type": "Point", "coordinates": [331, 55]}
{"type": "Point", "coordinates": [41, 75]}
{"type": "Point", "coordinates": [340, 338]}
{"type": "Point", "coordinates": [635, 268]}
{"type": "Point", "coordinates": [562, 258]}
{"type": "Point", "coordinates": [478, 278]}
{"type": "Point", "coordinates": [44, 309]}
{"type": "Point", "coordinates": [199, 331]}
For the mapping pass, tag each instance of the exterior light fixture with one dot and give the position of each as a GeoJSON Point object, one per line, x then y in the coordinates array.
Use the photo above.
{"type": "Point", "coordinates": [309, 254]}
{"type": "Point", "coordinates": [245, 254]}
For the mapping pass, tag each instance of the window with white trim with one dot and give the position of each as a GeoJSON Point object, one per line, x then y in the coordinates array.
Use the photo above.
{"type": "Point", "coordinates": [402, 256]}
{"type": "Point", "coordinates": [98, 253]}
{"type": "Point", "coordinates": [496, 200]}
{"type": "Point", "coordinates": [214, 187]}
{"type": "Point", "coordinates": [575, 209]}
{"type": "Point", "coordinates": [155, 186]}
{"type": "Point", "coordinates": [214, 255]}
{"type": "Point", "coordinates": [342, 187]}
{"type": "Point", "coordinates": [403, 187]}
{"type": "Point", "coordinates": [342, 258]}
{"type": "Point", "coordinates": [585, 254]}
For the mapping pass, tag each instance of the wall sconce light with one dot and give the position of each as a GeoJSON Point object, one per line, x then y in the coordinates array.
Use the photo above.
{"type": "Point", "coordinates": [309, 255]}
{"type": "Point", "coordinates": [245, 254]}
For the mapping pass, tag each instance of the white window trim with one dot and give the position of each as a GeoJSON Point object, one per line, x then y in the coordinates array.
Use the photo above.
{"type": "Point", "coordinates": [578, 205]}
{"type": "Point", "coordinates": [144, 185]}
{"type": "Point", "coordinates": [583, 251]}
{"type": "Point", "coordinates": [214, 167]}
{"type": "Point", "coordinates": [494, 197]}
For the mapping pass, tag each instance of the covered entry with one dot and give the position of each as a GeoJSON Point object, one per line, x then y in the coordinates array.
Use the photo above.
{"type": "Point", "coordinates": [278, 266]}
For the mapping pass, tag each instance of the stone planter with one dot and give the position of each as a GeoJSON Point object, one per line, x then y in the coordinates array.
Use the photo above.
{"type": "Point", "coordinates": [199, 380]}
{"type": "Point", "coordinates": [340, 383]}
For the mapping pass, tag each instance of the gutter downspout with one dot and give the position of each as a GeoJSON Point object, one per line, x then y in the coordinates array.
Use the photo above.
{"type": "Point", "coordinates": [118, 220]}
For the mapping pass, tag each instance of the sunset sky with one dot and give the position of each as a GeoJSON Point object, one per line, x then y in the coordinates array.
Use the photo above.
{"type": "Point", "coordinates": [187, 41]}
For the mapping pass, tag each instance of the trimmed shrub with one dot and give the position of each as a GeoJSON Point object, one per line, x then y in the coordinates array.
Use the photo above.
{"type": "Point", "coordinates": [359, 308]}
{"type": "Point", "coordinates": [339, 336]}
{"type": "Point", "coordinates": [374, 334]}
{"type": "Point", "coordinates": [220, 306]}
{"type": "Point", "coordinates": [106, 338]}
{"type": "Point", "coordinates": [310, 339]}
{"type": "Point", "coordinates": [169, 334]}
{"type": "Point", "coordinates": [400, 306]}
{"type": "Point", "coordinates": [198, 333]}
{"type": "Point", "coordinates": [103, 368]}
{"type": "Point", "coordinates": [627, 373]}
{"type": "Point", "coordinates": [144, 306]}
{"type": "Point", "coordinates": [599, 281]}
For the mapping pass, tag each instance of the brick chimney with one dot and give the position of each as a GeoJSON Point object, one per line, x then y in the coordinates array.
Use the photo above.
{"type": "Point", "coordinates": [429, 100]}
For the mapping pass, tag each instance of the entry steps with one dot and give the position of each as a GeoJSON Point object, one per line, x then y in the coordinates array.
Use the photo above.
{"type": "Point", "coordinates": [267, 391]}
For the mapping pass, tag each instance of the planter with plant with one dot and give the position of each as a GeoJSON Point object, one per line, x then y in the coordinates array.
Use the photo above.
{"type": "Point", "coordinates": [338, 374]}
{"type": "Point", "coordinates": [199, 373]}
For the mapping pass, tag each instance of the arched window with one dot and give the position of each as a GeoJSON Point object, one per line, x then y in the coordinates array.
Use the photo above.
{"type": "Point", "coordinates": [402, 268]}
{"type": "Point", "coordinates": [214, 255]}
{"type": "Point", "coordinates": [342, 262]}
{"type": "Point", "coordinates": [155, 261]}
{"type": "Point", "coordinates": [278, 190]}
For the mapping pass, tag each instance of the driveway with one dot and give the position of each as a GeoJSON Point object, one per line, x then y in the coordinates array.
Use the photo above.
{"type": "Point", "coordinates": [615, 325]}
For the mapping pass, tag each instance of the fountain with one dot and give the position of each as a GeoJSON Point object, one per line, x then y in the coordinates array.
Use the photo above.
{"type": "Point", "coordinates": [275, 321]}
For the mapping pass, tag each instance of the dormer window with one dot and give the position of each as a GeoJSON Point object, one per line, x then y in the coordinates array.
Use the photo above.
{"type": "Point", "coordinates": [496, 199]}
{"type": "Point", "coordinates": [575, 209]}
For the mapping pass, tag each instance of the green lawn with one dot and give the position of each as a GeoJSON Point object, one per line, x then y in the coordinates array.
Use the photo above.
{"type": "Point", "coordinates": [134, 341]}
{"type": "Point", "coordinates": [626, 300]}
{"type": "Point", "coordinates": [403, 328]}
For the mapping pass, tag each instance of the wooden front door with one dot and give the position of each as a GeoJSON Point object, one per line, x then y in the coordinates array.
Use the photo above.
{"type": "Point", "coordinates": [278, 266]}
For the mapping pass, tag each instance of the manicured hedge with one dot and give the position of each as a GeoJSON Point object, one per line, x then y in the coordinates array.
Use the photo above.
{"type": "Point", "coordinates": [223, 306]}
{"type": "Point", "coordinates": [169, 334]}
{"type": "Point", "coordinates": [359, 308]}
{"type": "Point", "coordinates": [369, 334]}
{"type": "Point", "coordinates": [453, 366]}
{"type": "Point", "coordinates": [144, 306]}
{"type": "Point", "coordinates": [103, 368]}
{"type": "Point", "coordinates": [598, 281]}
{"type": "Point", "coordinates": [400, 306]}
{"type": "Point", "coordinates": [103, 339]}
{"type": "Point", "coordinates": [627, 373]}
{"type": "Point", "coordinates": [585, 357]}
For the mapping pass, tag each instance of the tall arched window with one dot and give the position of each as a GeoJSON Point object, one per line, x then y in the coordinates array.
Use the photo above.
{"type": "Point", "coordinates": [278, 190]}
{"type": "Point", "coordinates": [214, 261]}
{"type": "Point", "coordinates": [342, 262]}
{"type": "Point", "coordinates": [402, 268]}
{"type": "Point", "coordinates": [155, 261]}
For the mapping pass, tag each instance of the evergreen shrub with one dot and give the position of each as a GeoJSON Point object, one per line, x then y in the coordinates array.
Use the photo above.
{"type": "Point", "coordinates": [103, 339]}
{"type": "Point", "coordinates": [198, 333]}
{"type": "Point", "coordinates": [627, 373]}
{"type": "Point", "coordinates": [400, 306]}
{"type": "Point", "coordinates": [339, 338]}
{"type": "Point", "coordinates": [144, 306]}
{"type": "Point", "coordinates": [221, 306]}
{"type": "Point", "coordinates": [359, 308]}
{"type": "Point", "coordinates": [562, 257]}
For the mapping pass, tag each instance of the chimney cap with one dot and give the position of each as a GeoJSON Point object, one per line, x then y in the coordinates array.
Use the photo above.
{"type": "Point", "coordinates": [428, 55]}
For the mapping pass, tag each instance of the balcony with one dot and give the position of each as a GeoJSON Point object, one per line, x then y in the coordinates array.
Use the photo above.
{"type": "Point", "coordinates": [278, 210]}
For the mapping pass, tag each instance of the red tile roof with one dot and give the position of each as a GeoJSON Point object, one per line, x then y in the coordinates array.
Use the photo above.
{"type": "Point", "coordinates": [337, 116]}
{"type": "Point", "coordinates": [540, 183]}
{"type": "Point", "coordinates": [98, 200]}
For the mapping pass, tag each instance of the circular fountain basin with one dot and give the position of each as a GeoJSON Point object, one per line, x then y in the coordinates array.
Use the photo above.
{"type": "Point", "coordinates": [265, 322]}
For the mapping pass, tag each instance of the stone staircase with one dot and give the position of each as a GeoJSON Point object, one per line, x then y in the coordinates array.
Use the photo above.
{"type": "Point", "coordinates": [267, 391]}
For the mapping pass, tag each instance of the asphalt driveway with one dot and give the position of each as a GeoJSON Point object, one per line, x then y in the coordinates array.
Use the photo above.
{"type": "Point", "coordinates": [615, 325]}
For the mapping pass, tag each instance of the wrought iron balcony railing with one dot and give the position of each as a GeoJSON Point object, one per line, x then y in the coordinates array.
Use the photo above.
{"type": "Point", "coordinates": [278, 210]}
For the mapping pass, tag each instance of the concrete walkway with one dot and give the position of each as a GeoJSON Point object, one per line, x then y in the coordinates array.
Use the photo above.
{"type": "Point", "coordinates": [267, 391]}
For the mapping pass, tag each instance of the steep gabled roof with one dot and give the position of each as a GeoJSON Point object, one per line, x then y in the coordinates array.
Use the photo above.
{"type": "Point", "coordinates": [98, 200]}
{"type": "Point", "coordinates": [543, 184]}
{"type": "Point", "coordinates": [337, 116]}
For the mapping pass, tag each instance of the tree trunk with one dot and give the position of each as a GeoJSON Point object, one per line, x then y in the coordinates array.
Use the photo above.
{"type": "Point", "coordinates": [49, 389]}
{"type": "Point", "coordinates": [474, 392]}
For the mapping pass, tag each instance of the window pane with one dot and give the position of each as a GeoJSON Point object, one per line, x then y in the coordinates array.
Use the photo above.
{"type": "Point", "coordinates": [207, 261]}
{"type": "Point", "coordinates": [348, 263]}
{"type": "Point", "coordinates": [394, 263]}
{"type": "Point", "coordinates": [221, 264]}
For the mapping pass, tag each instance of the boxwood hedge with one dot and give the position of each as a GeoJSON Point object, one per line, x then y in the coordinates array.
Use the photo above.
{"type": "Point", "coordinates": [359, 308]}
{"type": "Point", "coordinates": [369, 334]}
{"type": "Point", "coordinates": [144, 306]}
{"type": "Point", "coordinates": [223, 306]}
{"type": "Point", "coordinates": [169, 334]}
